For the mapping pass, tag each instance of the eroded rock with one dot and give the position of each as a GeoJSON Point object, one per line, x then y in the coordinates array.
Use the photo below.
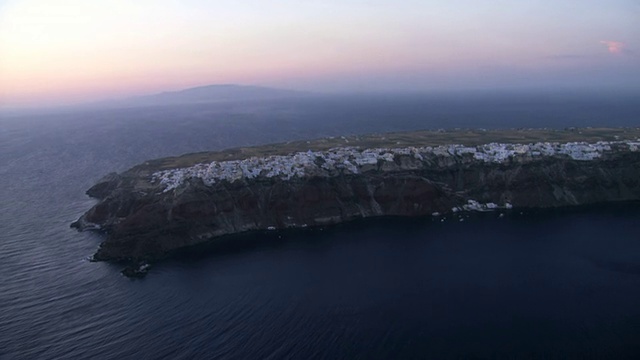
{"type": "Point", "coordinates": [147, 214]}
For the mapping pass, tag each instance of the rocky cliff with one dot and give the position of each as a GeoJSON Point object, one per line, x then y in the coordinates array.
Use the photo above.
{"type": "Point", "coordinates": [147, 212]}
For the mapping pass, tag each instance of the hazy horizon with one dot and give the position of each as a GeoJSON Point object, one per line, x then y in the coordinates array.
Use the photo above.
{"type": "Point", "coordinates": [243, 94]}
{"type": "Point", "coordinates": [70, 52]}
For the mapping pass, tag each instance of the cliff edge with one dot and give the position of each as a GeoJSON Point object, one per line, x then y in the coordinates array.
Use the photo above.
{"type": "Point", "coordinates": [168, 204]}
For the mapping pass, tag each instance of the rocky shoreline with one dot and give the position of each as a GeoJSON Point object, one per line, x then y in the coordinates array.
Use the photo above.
{"type": "Point", "coordinates": [148, 212]}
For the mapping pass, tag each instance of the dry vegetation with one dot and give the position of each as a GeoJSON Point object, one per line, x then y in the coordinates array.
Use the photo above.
{"type": "Point", "coordinates": [469, 137]}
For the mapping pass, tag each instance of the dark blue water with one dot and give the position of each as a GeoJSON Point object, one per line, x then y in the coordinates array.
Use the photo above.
{"type": "Point", "coordinates": [533, 285]}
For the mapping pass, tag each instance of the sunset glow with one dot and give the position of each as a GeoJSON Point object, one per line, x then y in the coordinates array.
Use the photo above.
{"type": "Point", "coordinates": [65, 51]}
{"type": "Point", "coordinates": [614, 47]}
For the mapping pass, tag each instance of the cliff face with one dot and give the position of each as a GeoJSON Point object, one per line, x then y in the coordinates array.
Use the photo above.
{"type": "Point", "coordinates": [145, 218]}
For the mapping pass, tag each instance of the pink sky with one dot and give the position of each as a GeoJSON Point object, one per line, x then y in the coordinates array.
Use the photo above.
{"type": "Point", "coordinates": [67, 51]}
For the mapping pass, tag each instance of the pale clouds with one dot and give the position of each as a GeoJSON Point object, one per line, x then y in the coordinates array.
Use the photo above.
{"type": "Point", "coordinates": [614, 47]}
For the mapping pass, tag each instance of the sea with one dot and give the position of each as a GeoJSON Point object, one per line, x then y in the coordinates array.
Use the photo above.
{"type": "Point", "coordinates": [528, 285]}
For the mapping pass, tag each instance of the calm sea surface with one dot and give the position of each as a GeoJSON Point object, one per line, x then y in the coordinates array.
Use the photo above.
{"type": "Point", "coordinates": [561, 284]}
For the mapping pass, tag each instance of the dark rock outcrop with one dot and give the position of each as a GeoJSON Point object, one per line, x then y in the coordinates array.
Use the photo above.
{"type": "Point", "coordinates": [144, 222]}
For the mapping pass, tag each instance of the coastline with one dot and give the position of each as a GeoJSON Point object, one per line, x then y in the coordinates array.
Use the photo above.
{"type": "Point", "coordinates": [146, 218]}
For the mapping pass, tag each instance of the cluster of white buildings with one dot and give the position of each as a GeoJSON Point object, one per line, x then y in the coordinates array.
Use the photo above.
{"type": "Point", "coordinates": [351, 160]}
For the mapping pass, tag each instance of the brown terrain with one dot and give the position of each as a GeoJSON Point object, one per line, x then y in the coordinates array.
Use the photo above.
{"type": "Point", "coordinates": [141, 222]}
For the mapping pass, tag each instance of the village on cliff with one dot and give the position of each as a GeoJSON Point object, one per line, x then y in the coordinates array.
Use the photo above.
{"type": "Point", "coordinates": [352, 160]}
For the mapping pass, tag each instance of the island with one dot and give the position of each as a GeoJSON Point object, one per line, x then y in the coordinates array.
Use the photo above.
{"type": "Point", "coordinates": [156, 208]}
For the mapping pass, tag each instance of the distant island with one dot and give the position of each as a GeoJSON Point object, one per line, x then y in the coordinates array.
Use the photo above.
{"type": "Point", "coordinates": [209, 94]}
{"type": "Point", "coordinates": [168, 204]}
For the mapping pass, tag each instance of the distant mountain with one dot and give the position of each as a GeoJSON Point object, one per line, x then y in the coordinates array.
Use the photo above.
{"type": "Point", "coordinates": [213, 94]}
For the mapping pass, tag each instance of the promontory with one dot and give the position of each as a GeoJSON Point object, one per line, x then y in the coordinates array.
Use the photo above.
{"type": "Point", "coordinates": [164, 205]}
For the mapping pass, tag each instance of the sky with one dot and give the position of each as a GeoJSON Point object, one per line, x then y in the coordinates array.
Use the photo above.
{"type": "Point", "coordinates": [70, 51]}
